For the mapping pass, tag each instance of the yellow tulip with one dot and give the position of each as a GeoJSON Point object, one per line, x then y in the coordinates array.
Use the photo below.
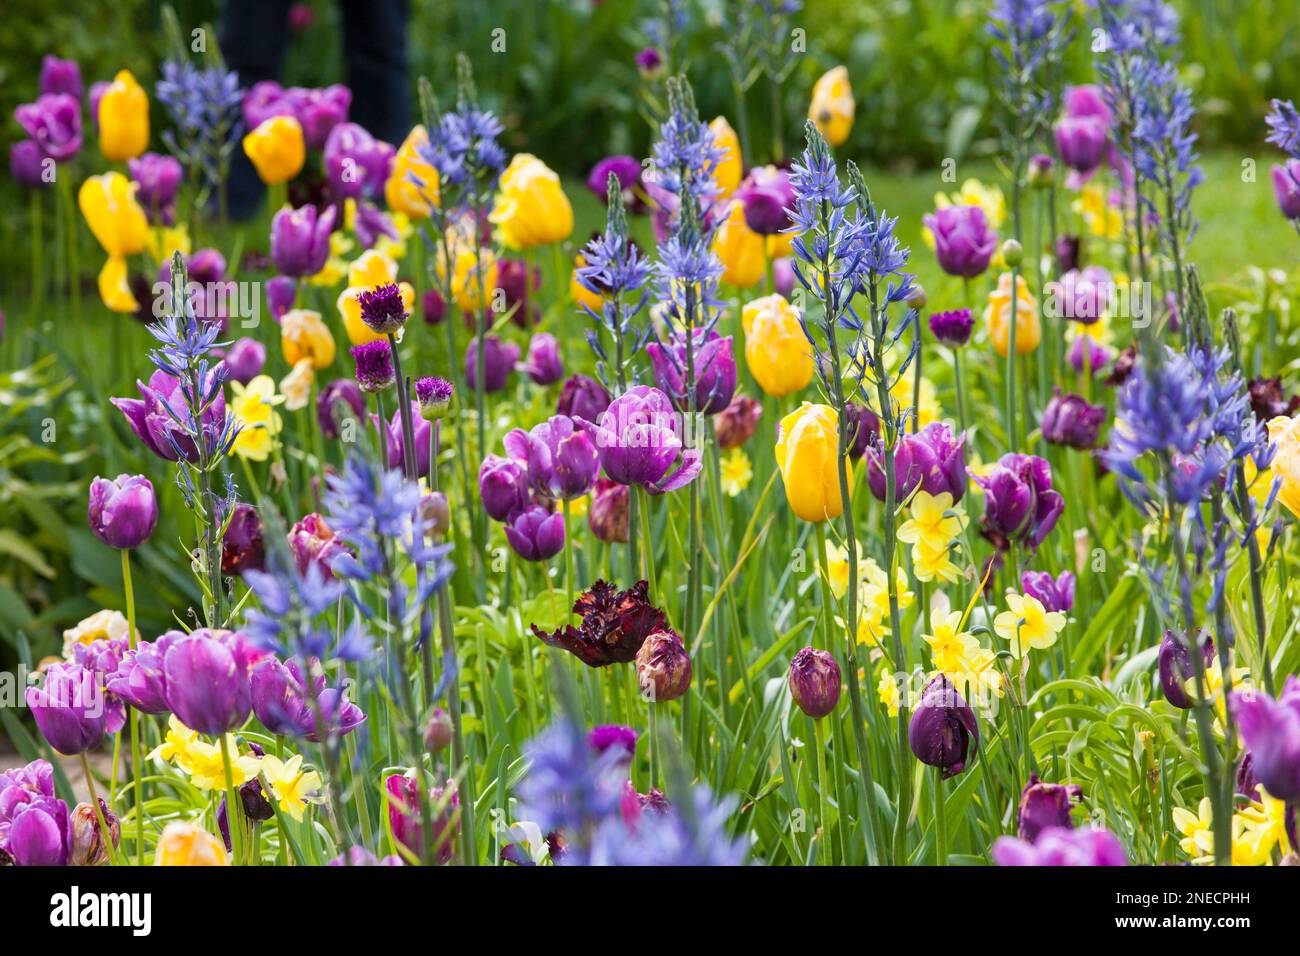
{"type": "Point", "coordinates": [997, 317]}
{"type": "Point", "coordinates": [832, 105]}
{"type": "Point", "coordinates": [1285, 434]}
{"type": "Point", "coordinates": [184, 844]}
{"type": "Point", "coordinates": [740, 249]}
{"type": "Point", "coordinates": [123, 119]}
{"type": "Point", "coordinates": [303, 335]}
{"type": "Point", "coordinates": [580, 293]}
{"type": "Point", "coordinates": [780, 246]}
{"type": "Point", "coordinates": [777, 352]}
{"type": "Point", "coordinates": [806, 452]}
{"type": "Point", "coordinates": [731, 168]}
{"type": "Point", "coordinates": [465, 277]}
{"type": "Point", "coordinates": [113, 287]}
{"type": "Point", "coordinates": [108, 202]}
{"type": "Point", "coordinates": [400, 192]}
{"type": "Point", "coordinates": [531, 208]}
{"type": "Point", "coordinates": [277, 149]}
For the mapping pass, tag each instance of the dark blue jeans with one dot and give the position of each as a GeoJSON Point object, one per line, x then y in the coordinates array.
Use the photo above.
{"type": "Point", "coordinates": [254, 36]}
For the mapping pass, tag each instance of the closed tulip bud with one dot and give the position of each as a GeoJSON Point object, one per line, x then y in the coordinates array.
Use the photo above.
{"type": "Point", "coordinates": [783, 277]}
{"type": "Point", "coordinates": [714, 368]}
{"type": "Point", "coordinates": [997, 317]}
{"type": "Point", "coordinates": [1286, 187]}
{"type": "Point", "coordinates": [157, 179]}
{"type": "Point", "coordinates": [1072, 421]}
{"type": "Point", "coordinates": [276, 148]}
{"type": "Point", "coordinates": [964, 242]}
{"type": "Point", "coordinates": [60, 76]}
{"type": "Point", "coordinates": [1247, 782]}
{"type": "Point", "coordinates": [207, 685]}
{"type": "Point", "coordinates": [502, 486]}
{"type": "Point", "coordinates": [1044, 805]}
{"type": "Point", "coordinates": [300, 240]}
{"type": "Point", "coordinates": [806, 454]}
{"type": "Point", "coordinates": [531, 208]}
{"type": "Point", "coordinates": [123, 114]}
{"type": "Point", "coordinates": [436, 513]}
{"type": "Point", "coordinates": [438, 731]}
{"type": "Point", "coordinates": [123, 511]}
{"type": "Point", "coordinates": [544, 365]}
{"type": "Point", "coordinates": [304, 335]}
{"type": "Point", "coordinates": [944, 732]}
{"type": "Point", "coordinates": [607, 514]}
{"type": "Point", "coordinates": [71, 710]}
{"type": "Point", "coordinates": [242, 546]}
{"type": "Point", "coordinates": [406, 821]}
{"type": "Point", "coordinates": [27, 165]}
{"type": "Point", "coordinates": [832, 105]}
{"type": "Point", "coordinates": [776, 348]}
{"type": "Point", "coordinates": [766, 194]}
{"type": "Point", "coordinates": [864, 428]}
{"type": "Point", "coordinates": [499, 360]}
{"type": "Point", "coordinates": [1268, 729]}
{"type": "Point", "coordinates": [1081, 141]}
{"type": "Point", "coordinates": [663, 668]}
{"type": "Point", "coordinates": [815, 682]}
{"type": "Point", "coordinates": [244, 360]}
{"type": "Point", "coordinates": [731, 167]}
{"type": "Point", "coordinates": [184, 844]}
{"type": "Point", "coordinates": [583, 397]}
{"type": "Point", "coordinates": [433, 307]}
{"type": "Point", "coordinates": [334, 403]}
{"type": "Point", "coordinates": [735, 424]}
{"type": "Point", "coordinates": [38, 828]}
{"type": "Point", "coordinates": [535, 534]}
{"type": "Point", "coordinates": [1174, 662]}
{"type": "Point", "coordinates": [88, 845]}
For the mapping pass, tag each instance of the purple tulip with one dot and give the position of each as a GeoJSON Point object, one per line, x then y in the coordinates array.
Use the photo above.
{"type": "Point", "coordinates": [358, 855]}
{"type": "Point", "coordinates": [735, 424]}
{"type": "Point", "coordinates": [943, 732]}
{"type": "Point", "coordinates": [244, 360]}
{"type": "Point", "coordinates": [544, 365]}
{"type": "Point", "coordinates": [1072, 421]}
{"type": "Point", "coordinates": [422, 435]}
{"type": "Point", "coordinates": [1286, 186]}
{"type": "Point", "coordinates": [1057, 846]}
{"type": "Point", "coordinates": [932, 458]}
{"type": "Point", "coordinates": [320, 111]}
{"type": "Point", "coordinates": [503, 487]}
{"type": "Point", "coordinates": [61, 76]}
{"type": "Point", "coordinates": [963, 241]}
{"type": "Point", "coordinates": [583, 397]}
{"type": "Point", "coordinates": [432, 307]}
{"type": "Point", "coordinates": [207, 680]}
{"type": "Point", "coordinates": [607, 515]}
{"type": "Point", "coordinates": [349, 160]}
{"type": "Point", "coordinates": [404, 817]}
{"type": "Point", "coordinates": [340, 391]}
{"type": "Point", "coordinates": [1247, 782]}
{"type": "Point", "coordinates": [1067, 250]}
{"type": "Point", "coordinates": [370, 223]}
{"type": "Point", "coordinates": [559, 454]}
{"type": "Point", "coordinates": [766, 194]}
{"type": "Point", "coordinates": [864, 430]}
{"type": "Point", "coordinates": [123, 511]}
{"type": "Point", "coordinates": [154, 426]}
{"type": "Point", "coordinates": [1270, 730]}
{"type": "Point", "coordinates": [499, 359]}
{"type": "Point", "coordinates": [139, 679]}
{"type": "Point", "coordinates": [53, 121]}
{"type": "Point", "coordinates": [207, 287]}
{"type": "Point", "coordinates": [38, 833]}
{"type": "Point", "coordinates": [1054, 594]}
{"type": "Point", "coordinates": [27, 165]}
{"type": "Point", "coordinates": [535, 533]}
{"type": "Point", "coordinates": [1086, 354]}
{"type": "Point", "coordinates": [281, 293]}
{"type": "Point", "coordinates": [814, 682]}
{"type": "Point", "coordinates": [638, 443]}
{"type": "Point", "coordinates": [1081, 141]}
{"type": "Point", "coordinates": [1044, 805]}
{"type": "Point", "coordinates": [1081, 295]}
{"type": "Point", "coordinates": [627, 169]}
{"type": "Point", "coordinates": [300, 240]}
{"type": "Point", "coordinates": [1174, 662]}
{"type": "Point", "coordinates": [1087, 100]}
{"type": "Point", "coordinates": [281, 702]}
{"type": "Point", "coordinates": [242, 546]}
{"type": "Point", "coordinates": [157, 179]}
{"type": "Point", "coordinates": [265, 100]}
{"type": "Point", "coordinates": [72, 710]}
{"type": "Point", "coordinates": [1019, 502]}
{"type": "Point", "coordinates": [783, 277]}
{"type": "Point", "coordinates": [313, 543]}
{"type": "Point", "coordinates": [714, 365]}
{"type": "Point", "coordinates": [952, 328]}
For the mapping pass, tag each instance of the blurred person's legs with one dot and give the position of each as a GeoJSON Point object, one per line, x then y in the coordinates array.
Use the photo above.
{"type": "Point", "coordinates": [374, 49]}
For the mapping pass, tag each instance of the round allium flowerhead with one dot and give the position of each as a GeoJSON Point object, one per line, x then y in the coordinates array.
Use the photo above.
{"type": "Point", "coordinates": [434, 395]}
{"type": "Point", "coordinates": [1044, 805]}
{"type": "Point", "coordinates": [815, 682]}
{"type": "Point", "coordinates": [382, 308]}
{"type": "Point", "coordinates": [944, 732]}
{"type": "Point", "coordinates": [663, 668]}
{"type": "Point", "coordinates": [1174, 662]}
{"type": "Point", "coordinates": [953, 327]}
{"type": "Point", "coordinates": [374, 366]}
{"type": "Point", "coordinates": [1041, 170]}
{"type": "Point", "coordinates": [123, 511]}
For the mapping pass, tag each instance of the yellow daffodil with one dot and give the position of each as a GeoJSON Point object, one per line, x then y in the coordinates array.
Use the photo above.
{"type": "Point", "coordinates": [290, 784]}
{"type": "Point", "coordinates": [736, 472]}
{"type": "Point", "coordinates": [997, 317]}
{"type": "Point", "coordinates": [123, 119]}
{"type": "Point", "coordinates": [777, 351]}
{"type": "Point", "coordinates": [276, 149]}
{"type": "Point", "coordinates": [740, 249]}
{"type": "Point", "coordinates": [1214, 685]}
{"type": "Point", "coordinates": [304, 336]}
{"type": "Point", "coordinates": [401, 192]}
{"type": "Point", "coordinates": [103, 625]}
{"type": "Point", "coordinates": [253, 408]}
{"type": "Point", "coordinates": [531, 209]}
{"type": "Point", "coordinates": [1028, 625]}
{"type": "Point", "coordinates": [1102, 217]}
{"type": "Point", "coordinates": [934, 563]}
{"type": "Point", "coordinates": [177, 743]}
{"type": "Point", "coordinates": [949, 646]}
{"type": "Point", "coordinates": [837, 568]}
{"type": "Point", "coordinates": [806, 453]}
{"type": "Point", "coordinates": [296, 386]}
{"type": "Point", "coordinates": [473, 277]}
{"type": "Point", "coordinates": [731, 168]}
{"type": "Point", "coordinates": [887, 691]}
{"type": "Point", "coordinates": [832, 107]}
{"type": "Point", "coordinates": [933, 521]}
{"type": "Point", "coordinates": [202, 761]}
{"type": "Point", "coordinates": [184, 844]}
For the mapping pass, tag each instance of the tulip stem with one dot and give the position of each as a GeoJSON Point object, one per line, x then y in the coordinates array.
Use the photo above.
{"type": "Point", "coordinates": [234, 807]}
{"type": "Point", "coordinates": [940, 820]}
{"type": "Point", "coordinates": [137, 764]}
{"type": "Point", "coordinates": [1011, 359]}
{"type": "Point", "coordinates": [568, 563]}
{"type": "Point", "coordinates": [104, 833]}
{"type": "Point", "coordinates": [823, 817]}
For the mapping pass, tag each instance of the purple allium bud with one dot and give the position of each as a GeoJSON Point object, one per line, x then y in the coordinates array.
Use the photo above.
{"type": "Point", "coordinates": [953, 327]}
{"type": "Point", "coordinates": [499, 359]}
{"type": "Point", "coordinates": [1041, 170]}
{"type": "Point", "coordinates": [583, 397]}
{"type": "Point", "coordinates": [300, 240]}
{"type": "Point", "coordinates": [244, 360]}
{"type": "Point", "coordinates": [434, 395]}
{"type": "Point", "coordinates": [281, 292]}
{"type": "Point", "coordinates": [735, 424]}
{"type": "Point", "coordinates": [54, 122]}
{"type": "Point", "coordinates": [242, 546]}
{"type": "Point", "coordinates": [714, 365]}
{"type": "Point", "coordinates": [87, 846]}
{"type": "Point", "coordinates": [1057, 846]}
{"type": "Point", "coordinates": [1174, 662]}
{"type": "Point", "coordinates": [27, 165]}
{"type": "Point", "coordinates": [60, 76]}
{"type": "Point", "coordinates": [1055, 594]}
{"type": "Point", "coordinates": [503, 486]}
{"type": "Point", "coordinates": [334, 402]}
{"type": "Point", "coordinates": [944, 732]}
{"type": "Point", "coordinates": [374, 366]}
{"type": "Point", "coordinates": [71, 710]}
{"type": "Point", "coordinates": [1270, 730]}
{"type": "Point", "coordinates": [766, 194]}
{"type": "Point", "coordinates": [864, 428]}
{"type": "Point", "coordinates": [1019, 501]}
{"type": "Point", "coordinates": [123, 511]}
{"type": "Point", "coordinates": [607, 514]}
{"type": "Point", "coordinates": [663, 668]}
{"type": "Point", "coordinates": [432, 307]}
{"type": "Point", "coordinates": [1072, 421]}
{"type": "Point", "coordinates": [1286, 186]}
{"type": "Point", "coordinates": [535, 534]}
{"type": "Point", "coordinates": [1044, 805]}
{"type": "Point", "coordinates": [1269, 400]}
{"type": "Point", "coordinates": [157, 179]}
{"type": "Point", "coordinates": [382, 309]}
{"type": "Point", "coordinates": [544, 365]}
{"type": "Point", "coordinates": [815, 682]}
{"type": "Point", "coordinates": [963, 241]}
{"type": "Point", "coordinates": [313, 542]}
{"type": "Point", "coordinates": [438, 731]}
{"type": "Point", "coordinates": [1085, 354]}
{"type": "Point", "coordinates": [616, 737]}
{"type": "Point", "coordinates": [649, 61]}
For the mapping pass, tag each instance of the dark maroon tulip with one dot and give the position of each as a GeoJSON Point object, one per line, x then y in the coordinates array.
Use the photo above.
{"type": "Point", "coordinates": [244, 360]}
{"type": "Point", "coordinates": [123, 511]}
{"type": "Point", "coordinates": [281, 293]}
{"type": "Point", "coordinates": [1174, 662]}
{"type": "Point", "coordinates": [53, 121]}
{"type": "Point", "coordinates": [963, 241]}
{"type": "Point", "coordinates": [27, 165]}
{"type": "Point", "coordinates": [614, 625]}
{"type": "Point", "coordinates": [952, 328]}
{"type": "Point", "coordinates": [766, 194]}
{"type": "Point", "coordinates": [543, 365]}
{"type": "Point", "coordinates": [300, 240]}
{"type": "Point", "coordinates": [535, 534]}
{"type": "Point", "coordinates": [944, 732]}
{"type": "Point", "coordinates": [1269, 400]}
{"type": "Point", "coordinates": [1067, 252]}
{"type": "Point", "coordinates": [607, 514]}
{"type": "Point", "coordinates": [1054, 594]}
{"type": "Point", "coordinates": [735, 424]}
{"type": "Point", "coordinates": [499, 360]}
{"type": "Point", "coordinates": [1270, 729]}
{"type": "Point", "coordinates": [334, 402]}
{"type": "Point", "coordinates": [663, 668]}
{"type": "Point", "coordinates": [1019, 501]}
{"type": "Point", "coordinates": [313, 542]}
{"type": "Point", "coordinates": [583, 397]}
{"type": "Point", "coordinates": [207, 680]}
{"type": "Point", "coordinates": [404, 817]}
{"type": "Point", "coordinates": [60, 76]}
{"type": "Point", "coordinates": [1044, 805]}
{"type": "Point", "coordinates": [139, 679]}
{"type": "Point", "coordinates": [71, 709]}
{"type": "Point", "coordinates": [252, 798]}
{"type": "Point", "coordinates": [432, 307]}
{"type": "Point", "coordinates": [242, 546]}
{"type": "Point", "coordinates": [814, 682]}
{"type": "Point", "coordinates": [1071, 420]}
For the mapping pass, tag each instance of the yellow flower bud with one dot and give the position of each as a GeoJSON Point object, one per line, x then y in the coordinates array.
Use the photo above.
{"type": "Point", "coordinates": [303, 335]}
{"type": "Point", "coordinates": [740, 249]}
{"type": "Point", "coordinates": [108, 202]}
{"type": "Point", "coordinates": [277, 149]}
{"type": "Point", "coordinates": [184, 844]}
{"type": "Point", "coordinates": [531, 208]}
{"type": "Point", "coordinates": [123, 119]}
{"type": "Point", "coordinates": [731, 168]}
{"type": "Point", "coordinates": [997, 317]}
{"type": "Point", "coordinates": [777, 352]}
{"type": "Point", "coordinates": [832, 105]}
{"type": "Point", "coordinates": [400, 192]}
{"type": "Point", "coordinates": [806, 451]}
